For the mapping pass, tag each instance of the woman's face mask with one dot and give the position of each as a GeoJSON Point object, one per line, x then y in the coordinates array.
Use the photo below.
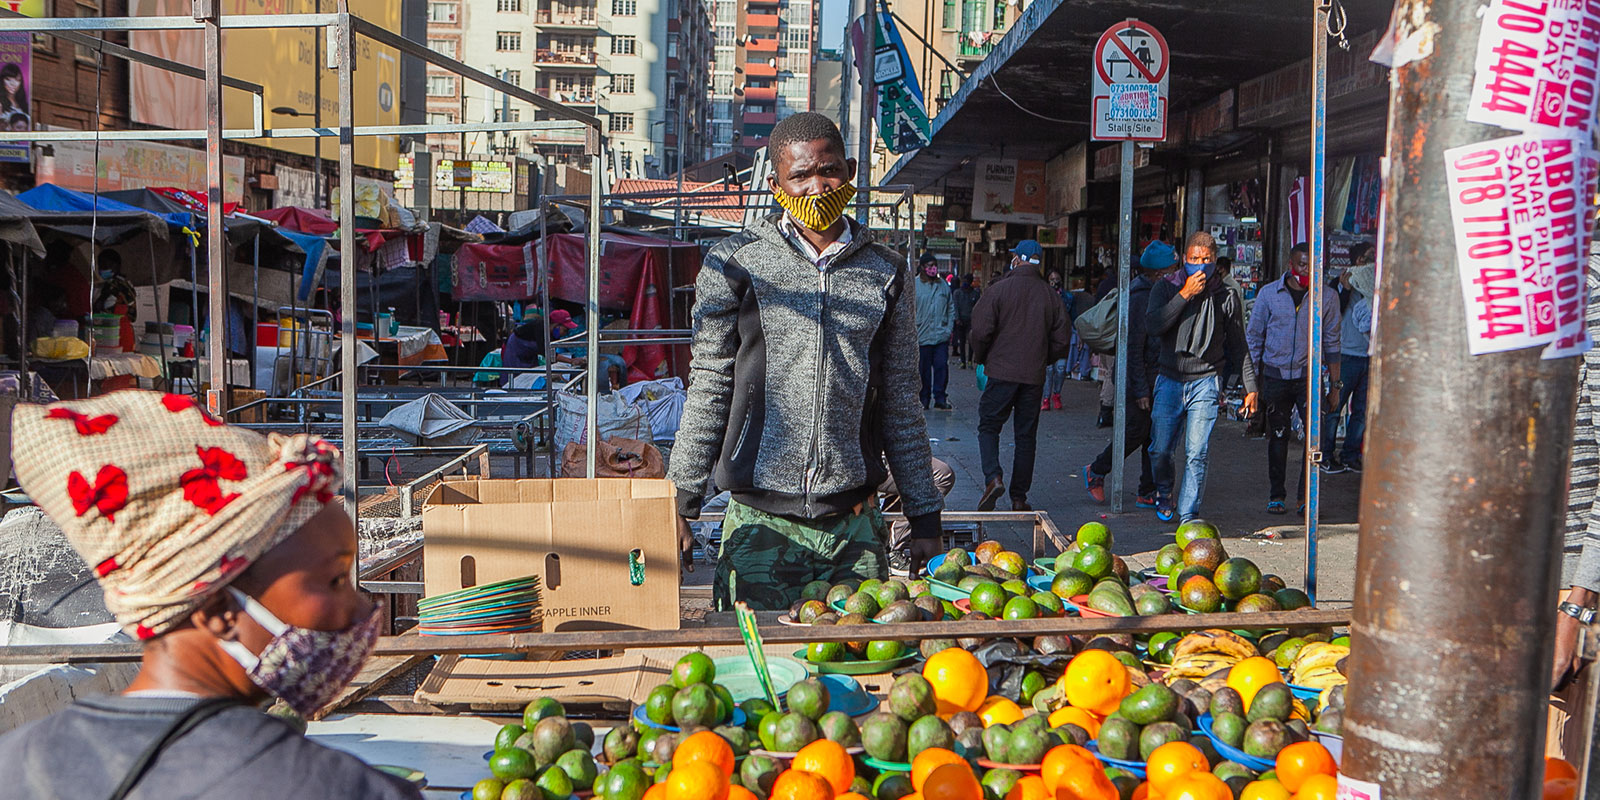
{"type": "Point", "coordinates": [816, 211]}
{"type": "Point", "coordinates": [304, 668]}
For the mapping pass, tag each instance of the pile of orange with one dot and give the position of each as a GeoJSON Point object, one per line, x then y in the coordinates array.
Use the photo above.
{"type": "Point", "coordinates": [1560, 780]}
{"type": "Point", "coordinates": [1095, 681]}
{"type": "Point", "coordinates": [960, 682]}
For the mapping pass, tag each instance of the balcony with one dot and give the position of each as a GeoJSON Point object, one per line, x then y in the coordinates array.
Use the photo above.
{"type": "Point", "coordinates": [564, 58]}
{"type": "Point", "coordinates": [767, 46]}
{"type": "Point", "coordinates": [764, 22]}
{"type": "Point", "coordinates": [548, 19]}
{"type": "Point", "coordinates": [760, 70]}
{"type": "Point", "coordinates": [760, 117]}
{"type": "Point", "coordinates": [571, 98]}
{"type": "Point", "coordinates": [972, 53]}
{"type": "Point", "coordinates": [761, 94]}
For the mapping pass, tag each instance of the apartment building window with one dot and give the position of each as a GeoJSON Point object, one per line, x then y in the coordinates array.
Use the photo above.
{"type": "Point", "coordinates": [795, 38]}
{"type": "Point", "coordinates": [726, 33]}
{"type": "Point", "coordinates": [442, 12]}
{"type": "Point", "coordinates": [508, 5]}
{"type": "Point", "coordinates": [87, 8]}
{"type": "Point", "coordinates": [949, 19]}
{"type": "Point", "coordinates": [620, 123]}
{"type": "Point", "coordinates": [624, 46]}
{"type": "Point", "coordinates": [999, 16]}
{"type": "Point", "coordinates": [444, 47]}
{"type": "Point", "coordinates": [722, 84]}
{"type": "Point", "coordinates": [672, 45]}
{"type": "Point", "coordinates": [512, 76]}
{"type": "Point", "coordinates": [508, 42]}
{"type": "Point", "coordinates": [622, 84]}
{"type": "Point", "coordinates": [797, 62]}
{"type": "Point", "coordinates": [624, 8]}
{"type": "Point", "coordinates": [441, 117]}
{"type": "Point", "coordinates": [508, 115]}
{"type": "Point", "coordinates": [441, 86]}
{"type": "Point", "coordinates": [947, 82]}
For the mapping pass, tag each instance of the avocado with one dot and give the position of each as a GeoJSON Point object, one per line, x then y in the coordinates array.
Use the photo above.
{"type": "Point", "coordinates": [1256, 603]}
{"type": "Point", "coordinates": [621, 742]}
{"type": "Point", "coordinates": [1158, 734]}
{"type": "Point", "coordinates": [899, 611]}
{"type": "Point", "coordinates": [1273, 701]}
{"type": "Point", "coordinates": [857, 649]}
{"type": "Point", "coordinates": [949, 573]}
{"type": "Point", "coordinates": [1265, 738]}
{"type": "Point", "coordinates": [969, 744]}
{"type": "Point", "coordinates": [1119, 738]}
{"type": "Point", "coordinates": [929, 731]}
{"type": "Point", "coordinates": [809, 697]}
{"type": "Point", "coordinates": [891, 592]}
{"type": "Point", "coordinates": [552, 737]}
{"type": "Point", "coordinates": [958, 557]}
{"type": "Point", "coordinates": [1206, 553]}
{"type": "Point", "coordinates": [932, 608]}
{"type": "Point", "coordinates": [1226, 700]}
{"type": "Point", "coordinates": [1298, 729]}
{"type": "Point", "coordinates": [1229, 728]}
{"type": "Point", "coordinates": [1071, 582]}
{"type": "Point", "coordinates": [1111, 602]}
{"type": "Point", "coordinates": [662, 748]}
{"type": "Point", "coordinates": [962, 720]}
{"type": "Point", "coordinates": [694, 705]}
{"type": "Point", "coordinates": [737, 738]}
{"type": "Point", "coordinates": [999, 782]}
{"type": "Point", "coordinates": [838, 727]}
{"type": "Point", "coordinates": [1331, 720]}
{"type": "Point", "coordinates": [1072, 734]}
{"type": "Point", "coordinates": [1203, 743]}
{"type": "Point", "coordinates": [1233, 769]}
{"type": "Point", "coordinates": [1153, 603]}
{"type": "Point", "coordinates": [883, 736]}
{"type": "Point", "coordinates": [810, 610]}
{"type": "Point", "coordinates": [1152, 703]}
{"type": "Point", "coordinates": [931, 647]}
{"type": "Point", "coordinates": [1237, 578]}
{"type": "Point", "coordinates": [861, 603]}
{"type": "Point", "coordinates": [1029, 745]}
{"type": "Point", "coordinates": [758, 772]}
{"type": "Point", "coordinates": [794, 732]}
{"type": "Point", "coordinates": [838, 594]}
{"type": "Point", "coordinates": [997, 743]}
{"type": "Point", "coordinates": [1048, 645]}
{"type": "Point", "coordinates": [911, 698]}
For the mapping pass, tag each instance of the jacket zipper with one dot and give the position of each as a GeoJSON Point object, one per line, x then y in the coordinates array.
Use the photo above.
{"type": "Point", "coordinates": [816, 403]}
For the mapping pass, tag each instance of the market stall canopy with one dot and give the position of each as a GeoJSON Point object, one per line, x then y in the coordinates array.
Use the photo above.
{"type": "Point", "coordinates": [50, 197]}
{"type": "Point", "coordinates": [107, 227]}
{"type": "Point", "coordinates": [16, 226]}
{"type": "Point", "coordinates": [303, 220]}
{"type": "Point", "coordinates": [1030, 98]}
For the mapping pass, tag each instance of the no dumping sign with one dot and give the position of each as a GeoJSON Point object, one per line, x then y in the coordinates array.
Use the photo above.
{"type": "Point", "coordinates": [1130, 84]}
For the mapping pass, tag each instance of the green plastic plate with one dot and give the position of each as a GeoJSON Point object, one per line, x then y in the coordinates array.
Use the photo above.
{"type": "Point", "coordinates": [885, 766]}
{"type": "Point", "coordinates": [738, 675]}
{"type": "Point", "coordinates": [415, 777]}
{"type": "Point", "coordinates": [854, 667]}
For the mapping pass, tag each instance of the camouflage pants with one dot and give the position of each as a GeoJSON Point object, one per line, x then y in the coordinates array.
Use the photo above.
{"type": "Point", "coordinates": [766, 560]}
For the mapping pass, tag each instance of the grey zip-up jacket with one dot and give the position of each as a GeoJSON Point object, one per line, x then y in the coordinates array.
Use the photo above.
{"type": "Point", "coordinates": [803, 382]}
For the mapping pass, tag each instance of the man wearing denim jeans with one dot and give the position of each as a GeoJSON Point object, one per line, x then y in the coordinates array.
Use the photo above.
{"type": "Point", "coordinates": [1200, 325]}
{"type": "Point", "coordinates": [1355, 344]}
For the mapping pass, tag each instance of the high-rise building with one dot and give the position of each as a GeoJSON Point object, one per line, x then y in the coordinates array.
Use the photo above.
{"type": "Point", "coordinates": [630, 62]}
{"type": "Point", "coordinates": [763, 73]}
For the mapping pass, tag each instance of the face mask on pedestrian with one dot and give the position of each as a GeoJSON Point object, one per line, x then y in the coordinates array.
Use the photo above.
{"type": "Point", "coordinates": [816, 211]}
{"type": "Point", "coordinates": [930, 270]}
{"type": "Point", "coordinates": [304, 668]}
{"type": "Point", "coordinates": [1301, 270]}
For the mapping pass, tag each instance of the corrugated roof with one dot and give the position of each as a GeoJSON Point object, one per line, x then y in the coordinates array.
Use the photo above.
{"type": "Point", "coordinates": [662, 194]}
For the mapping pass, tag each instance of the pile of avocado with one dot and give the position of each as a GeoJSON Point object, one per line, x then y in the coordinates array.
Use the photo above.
{"type": "Point", "coordinates": [1268, 726]}
{"type": "Point", "coordinates": [545, 756]}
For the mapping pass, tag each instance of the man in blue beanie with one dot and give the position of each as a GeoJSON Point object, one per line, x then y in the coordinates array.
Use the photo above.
{"type": "Point", "coordinates": [1157, 261]}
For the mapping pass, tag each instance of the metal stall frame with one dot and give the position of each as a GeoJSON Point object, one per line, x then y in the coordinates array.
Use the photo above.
{"type": "Point", "coordinates": [344, 28]}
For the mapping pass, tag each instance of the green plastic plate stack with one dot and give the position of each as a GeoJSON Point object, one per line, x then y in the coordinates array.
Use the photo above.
{"type": "Point", "coordinates": [511, 606]}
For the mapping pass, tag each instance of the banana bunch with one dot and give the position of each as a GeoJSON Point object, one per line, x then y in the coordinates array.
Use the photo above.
{"type": "Point", "coordinates": [1203, 654]}
{"type": "Point", "coordinates": [1317, 666]}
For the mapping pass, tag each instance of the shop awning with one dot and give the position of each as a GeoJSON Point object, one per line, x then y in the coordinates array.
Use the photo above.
{"type": "Point", "coordinates": [107, 227]}
{"type": "Point", "coordinates": [50, 197]}
{"type": "Point", "coordinates": [1030, 97]}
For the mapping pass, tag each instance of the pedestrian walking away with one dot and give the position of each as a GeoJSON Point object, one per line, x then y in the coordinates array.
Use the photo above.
{"type": "Point", "coordinates": [936, 318]}
{"type": "Point", "coordinates": [1157, 261]}
{"type": "Point", "coordinates": [803, 385]}
{"type": "Point", "coordinates": [1018, 327]}
{"type": "Point", "coordinates": [1055, 375]}
{"type": "Point", "coordinates": [1355, 346]}
{"type": "Point", "coordinates": [965, 296]}
{"type": "Point", "coordinates": [1197, 314]}
{"type": "Point", "coordinates": [1280, 352]}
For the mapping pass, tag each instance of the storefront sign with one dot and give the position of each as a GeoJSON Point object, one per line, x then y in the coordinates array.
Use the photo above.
{"type": "Point", "coordinates": [933, 223]}
{"type": "Point", "coordinates": [16, 86]}
{"type": "Point", "coordinates": [1517, 206]}
{"type": "Point", "coordinates": [1006, 190]}
{"type": "Point", "coordinates": [135, 165]}
{"type": "Point", "coordinates": [1536, 66]}
{"type": "Point", "coordinates": [942, 243]}
{"type": "Point", "coordinates": [1131, 63]}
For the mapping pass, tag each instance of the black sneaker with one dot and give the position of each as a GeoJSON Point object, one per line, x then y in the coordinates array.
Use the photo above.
{"type": "Point", "coordinates": [943, 406]}
{"type": "Point", "coordinates": [900, 563]}
{"type": "Point", "coordinates": [1354, 465]}
{"type": "Point", "coordinates": [1333, 467]}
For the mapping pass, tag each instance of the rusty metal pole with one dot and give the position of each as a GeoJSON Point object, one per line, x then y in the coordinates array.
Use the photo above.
{"type": "Point", "coordinates": [1463, 494]}
{"type": "Point", "coordinates": [210, 12]}
{"type": "Point", "coordinates": [348, 384]}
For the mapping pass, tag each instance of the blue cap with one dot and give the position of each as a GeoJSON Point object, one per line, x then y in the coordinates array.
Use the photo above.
{"type": "Point", "coordinates": [1157, 256]}
{"type": "Point", "coordinates": [1029, 249]}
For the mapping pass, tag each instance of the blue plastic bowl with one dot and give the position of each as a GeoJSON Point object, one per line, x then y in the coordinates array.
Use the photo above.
{"type": "Point", "coordinates": [1231, 753]}
{"type": "Point", "coordinates": [1135, 767]}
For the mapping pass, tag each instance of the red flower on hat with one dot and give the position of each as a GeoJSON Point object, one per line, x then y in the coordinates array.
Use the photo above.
{"type": "Point", "coordinates": [201, 485]}
{"type": "Point", "coordinates": [143, 633]}
{"type": "Point", "coordinates": [177, 403]}
{"type": "Point", "coordinates": [106, 567]}
{"type": "Point", "coordinates": [86, 425]}
{"type": "Point", "coordinates": [108, 493]}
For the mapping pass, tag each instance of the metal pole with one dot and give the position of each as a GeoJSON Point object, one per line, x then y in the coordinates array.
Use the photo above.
{"type": "Point", "coordinates": [1463, 716]}
{"type": "Point", "coordinates": [319, 186]}
{"type": "Point", "coordinates": [677, 208]}
{"type": "Point", "coordinates": [592, 310]}
{"type": "Point", "coordinates": [216, 238]}
{"type": "Point", "coordinates": [345, 50]}
{"type": "Point", "coordinates": [869, 90]}
{"type": "Point", "coordinates": [1319, 153]}
{"type": "Point", "coordinates": [549, 354]}
{"type": "Point", "coordinates": [194, 316]}
{"type": "Point", "coordinates": [255, 306]}
{"type": "Point", "coordinates": [1119, 420]}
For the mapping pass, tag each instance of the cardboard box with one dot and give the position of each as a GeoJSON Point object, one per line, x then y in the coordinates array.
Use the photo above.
{"type": "Point", "coordinates": [581, 538]}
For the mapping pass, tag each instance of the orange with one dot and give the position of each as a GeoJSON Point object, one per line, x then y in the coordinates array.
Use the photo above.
{"type": "Point", "coordinates": [1085, 782]}
{"type": "Point", "coordinates": [1556, 768]}
{"type": "Point", "coordinates": [655, 792]}
{"type": "Point", "coordinates": [1171, 761]}
{"type": "Point", "coordinates": [1264, 790]}
{"type": "Point", "coordinates": [1560, 789]}
{"type": "Point", "coordinates": [1248, 676]}
{"type": "Point", "coordinates": [1301, 760]}
{"type": "Point", "coordinates": [997, 710]}
{"type": "Point", "coordinates": [1141, 792]}
{"type": "Point", "coordinates": [797, 784]}
{"type": "Point", "coordinates": [705, 746]}
{"type": "Point", "coordinates": [741, 793]}
{"type": "Point", "coordinates": [929, 760]}
{"type": "Point", "coordinates": [1030, 787]}
{"type": "Point", "coordinates": [1061, 760]}
{"type": "Point", "coordinates": [951, 782]}
{"type": "Point", "coordinates": [1197, 785]}
{"type": "Point", "coordinates": [1318, 787]}
{"type": "Point", "coordinates": [849, 796]}
{"type": "Point", "coordinates": [829, 760]}
{"type": "Point", "coordinates": [1095, 681]}
{"type": "Point", "coordinates": [960, 683]}
{"type": "Point", "coordinates": [696, 781]}
{"type": "Point", "coordinates": [1072, 715]}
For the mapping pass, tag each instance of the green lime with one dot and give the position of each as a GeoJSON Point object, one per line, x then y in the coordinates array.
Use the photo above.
{"type": "Point", "coordinates": [885, 651]}
{"type": "Point", "coordinates": [693, 668]}
{"type": "Point", "coordinates": [658, 704]}
{"type": "Point", "coordinates": [507, 737]}
{"type": "Point", "coordinates": [580, 767]}
{"type": "Point", "coordinates": [624, 781]}
{"type": "Point", "coordinates": [754, 710]}
{"type": "Point", "coordinates": [488, 789]}
{"type": "Point", "coordinates": [1094, 533]}
{"type": "Point", "coordinates": [555, 783]}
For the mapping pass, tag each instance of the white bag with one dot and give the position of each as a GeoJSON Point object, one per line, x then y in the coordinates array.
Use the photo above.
{"type": "Point", "coordinates": [662, 401]}
{"type": "Point", "coordinates": [614, 416]}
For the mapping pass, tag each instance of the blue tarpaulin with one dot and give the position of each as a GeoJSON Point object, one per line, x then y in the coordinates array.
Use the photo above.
{"type": "Point", "coordinates": [50, 197]}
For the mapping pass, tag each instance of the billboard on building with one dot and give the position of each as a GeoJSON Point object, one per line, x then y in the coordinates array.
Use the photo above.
{"type": "Point", "coordinates": [16, 87]}
{"type": "Point", "coordinates": [1008, 190]}
{"type": "Point", "coordinates": [283, 61]}
{"type": "Point", "coordinates": [135, 165]}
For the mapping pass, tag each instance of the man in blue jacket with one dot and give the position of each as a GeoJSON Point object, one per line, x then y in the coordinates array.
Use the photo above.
{"type": "Point", "coordinates": [1144, 357]}
{"type": "Point", "coordinates": [1279, 341]}
{"type": "Point", "coordinates": [936, 318]}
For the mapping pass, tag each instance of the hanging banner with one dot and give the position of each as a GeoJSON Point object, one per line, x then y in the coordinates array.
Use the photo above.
{"type": "Point", "coordinates": [902, 116]}
{"type": "Point", "coordinates": [1536, 66]}
{"type": "Point", "coordinates": [16, 86]}
{"type": "Point", "coordinates": [1006, 190]}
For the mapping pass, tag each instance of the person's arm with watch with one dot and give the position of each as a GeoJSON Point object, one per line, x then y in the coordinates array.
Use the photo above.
{"type": "Point", "coordinates": [1576, 610]}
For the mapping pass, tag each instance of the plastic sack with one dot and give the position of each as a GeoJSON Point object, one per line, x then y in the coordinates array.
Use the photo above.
{"type": "Point", "coordinates": [663, 403]}
{"type": "Point", "coordinates": [614, 458]}
{"type": "Point", "coordinates": [983, 380]}
{"type": "Point", "coordinates": [60, 348]}
{"type": "Point", "coordinates": [614, 416]}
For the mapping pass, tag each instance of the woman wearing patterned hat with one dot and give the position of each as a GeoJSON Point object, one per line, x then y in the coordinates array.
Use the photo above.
{"type": "Point", "coordinates": [224, 553]}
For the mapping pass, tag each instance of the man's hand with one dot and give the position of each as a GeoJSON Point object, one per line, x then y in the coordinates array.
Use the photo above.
{"type": "Point", "coordinates": [686, 544]}
{"type": "Point", "coordinates": [1567, 663]}
{"type": "Point", "coordinates": [1193, 286]}
{"type": "Point", "coordinates": [1249, 405]}
{"type": "Point", "coordinates": [1143, 403]}
{"type": "Point", "coordinates": [921, 551]}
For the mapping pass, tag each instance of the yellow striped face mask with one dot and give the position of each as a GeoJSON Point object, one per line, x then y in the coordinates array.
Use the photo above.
{"type": "Point", "coordinates": [816, 211]}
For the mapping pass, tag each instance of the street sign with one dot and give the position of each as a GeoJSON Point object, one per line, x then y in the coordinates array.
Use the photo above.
{"type": "Point", "coordinates": [1129, 103]}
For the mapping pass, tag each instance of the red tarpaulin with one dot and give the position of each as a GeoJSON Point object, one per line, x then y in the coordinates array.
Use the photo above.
{"type": "Point", "coordinates": [304, 220]}
{"type": "Point", "coordinates": [634, 280]}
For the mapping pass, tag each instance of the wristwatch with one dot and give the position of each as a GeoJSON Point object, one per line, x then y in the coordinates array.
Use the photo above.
{"type": "Point", "coordinates": [1577, 612]}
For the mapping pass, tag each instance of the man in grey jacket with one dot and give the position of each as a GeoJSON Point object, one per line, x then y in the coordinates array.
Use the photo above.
{"type": "Point", "coordinates": [803, 385]}
{"type": "Point", "coordinates": [1280, 324]}
{"type": "Point", "coordinates": [936, 317]}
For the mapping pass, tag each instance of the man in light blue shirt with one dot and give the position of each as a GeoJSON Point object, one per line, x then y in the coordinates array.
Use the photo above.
{"type": "Point", "coordinates": [1355, 346]}
{"type": "Point", "coordinates": [936, 318]}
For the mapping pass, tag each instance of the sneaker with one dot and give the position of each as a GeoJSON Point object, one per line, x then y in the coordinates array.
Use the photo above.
{"type": "Point", "coordinates": [1044, 405]}
{"type": "Point", "coordinates": [1164, 510]}
{"type": "Point", "coordinates": [1145, 501]}
{"type": "Point", "coordinates": [900, 563]}
{"type": "Point", "coordinates": [1276, 507]}
{"type": "Point", "coordinates": [1353, 464]}
{"type": "Point", "coordinates": [1096, 484]}
{"type": "Point", "coordinates": [1020, 504]}
{"type": "Point", "coordinates": [1055, 401]}
{"type": "Point", "coordinates": [1105, 420]}
{"type": "Point", "coordinates": [943, 406]}
{"type": "Point", "coordinates": [1333, 467]}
